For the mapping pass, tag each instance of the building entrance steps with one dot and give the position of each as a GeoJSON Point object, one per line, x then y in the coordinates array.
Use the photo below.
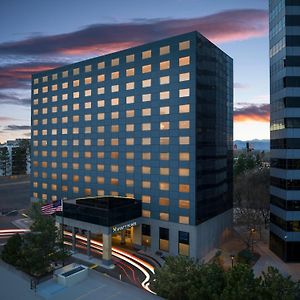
{"type": "Point", "coordinates": [93, 260]}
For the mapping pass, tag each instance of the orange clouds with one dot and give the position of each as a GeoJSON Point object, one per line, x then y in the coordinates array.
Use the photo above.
{"type": "Point", "coordinates": [253, 112]}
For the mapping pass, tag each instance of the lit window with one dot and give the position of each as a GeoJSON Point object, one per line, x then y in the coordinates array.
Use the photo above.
{"type": "Point", "coordinates": [146, 126]}
{"type": "Point", "coordinates": [164, 216]}
{"type": "Point", "coordinates": [184, 124]}
{"type": "Point", "coordinates": [164, 201]}
{"type": "Point", "coordinates": [130, 72]}
{"type": "Point", "coordinates": [101, 78]}
{"type": "Point", "coordinates": [75, 130]}
{"type": "Point", "coordinates": [184, 140]}
{"type": "Point", "coordinates": [54, 87]}
{"type": "Point", "coordinates": [100, 154]}
{"type": "Point", "coordinates": [164, 171]}
{"type": "Point", "coordinates": [45, 78]}
{"type": "Point", "coordinates": [101, 65]}
{"type": "Point", "coordinates": [88, 105]}
{"type": "Point", "coordinates": [184, 156]}
{"type": "Point", "coordinates": [184, 45]}
{"type": "Point", "coordinates": [114, 142]}
{"type": "Point", "coordinates": [164, 50]}
{"type": "Point", "coordinates": [164, 95]}
{"type": "Point", "coordinates": [45, 89]}
{"type": "Point", "coordinates": [146, 199]}
{"type": "Point", "coordinates": [184, 93]}
{"type": "Point", "coordinates": [115, 75]}
{"type": "Point", "coordinates": [101, 91]}
{"type": "Point", "coordinates": [100, 103]}
{"type": "Point", "coordinates": [129, 86]}
{"type": "Point", "coordinates": [114, 155]}
{"type": "Point", "coordinates": [146, 69]}
{"type": "Point", "coordinates": [146, 170]}
{"type": "Point", "coordinates": [65, 85]}
{"type": "Point", "coordinates": [115, 62]}
{"type": "Point", "coordinates": [129, 155]}
{"type": "Point", "coordinates": [130, 58]}
{"type": "Point", "coordinates": [115, 88]}
{"type": "Point", "coordinates": [146, 97]}
{"type": "Point", "coordinates": [76, 71]}
{"type": "Point", "coordinates": [184, 172]}
{"type": "Point", "coordinates": [164, 140]}
{"type": "Point", "coordinates": [114, 128]}
{"type": "Point", "coordinates": [87, 192]}
{"type": "Point", "coordinates": [164, 186]}
{"type": "Point", "coordinates": [129, 182]}
{"type": "Point", "coordinates": [129, 169]}
{"type": "Point", "coordinates": [129, 113]}
{"type": "Point", "coordinates": [87, 129]}
{"type": "Point", "coordinates": [146, 141]}
{"type": "Point", "coordinates": [114, 181]}
{"type": "Point", "coordinates": [75, 189]}
{"type": "Point", "coordinates": [184, 204]}
{"type": "Point", "coordinates": [54, 98]}
{"type": "Point", "coordinates": [114, 168]}
{"type": "Point", "coordinates": [164, 125]}
{"type": "Point", "coordinates": [54, 76]}
{"type": "Point", "coordinates": [184, 61]}
{"type": "Point", "coordinates": [164, 65]}
{"type": "Point", "coordinates": [129, 127]}
{"type": "Point", "coordinates": [76, 106]}
{"type": "Point", "coordinates": [164, 80]}
{"type": "Point", "coordinates": [146, 155]}
{"type": "Point", "coordinates": [115, 115]}
{"type": "Point", "coordinates": [64, 130]}
{"type": "Point", "coordinates": [164, 156]}
{"type": "Point", "coordinates": [146, 83]}
{"type": "Point", "coordinates": [100, 142]}
{"type": "Point", "coordinates": [146, 184]}
{"type": "Point", "coordinates": [64, 108]}
{"type": "Point", "coordinates": [87, 93]}
{"type": "Point", "coordinates": [101, 116]}
{"type": "Point", "coordinates": [75, 95]}
{"type": "Point", "coordinates": [165, 110]}
{"type": "Point", "coordinates": [146, 112]}
{"type": "Point", "coordinates": [115, 101]}
{"type": "Point", "coordinates": [64, 97]}
{"type": "Point", "coordinates": [88, 68]}
{"type": "Point", "coordinates": [146, 54]}
{"type": "Point", "coordinates": [54, 109]}
{"type": "Point", "coordinates": [100, 179]}
{"type": "Point", "coordinates": [184, 76]}
{"type": "Point", "coordinates": [88, 80]}
{"type": "Point", "coordinates": [87, 142]}
{"type": "Point", "coordinates": [100, 167]}
{"type": "Point", "coordinates": [184, 188]}
{"type": "Point", "coordinates": [146, 213]}
{"type": "Point", "coordinates": [130, 141]}
{"type": "Point", "coordinates": [35, 91]}
{"type": "Point", "coordinates": [185, 108]}
{"type": "Point", "coordinates": [44, 110]}
{"type": "Point", "coordinates": [129, 99]}
{"type": "Point", "coordinates": [184, 219]}
{"type": "Point", "coordinates": [35, 81]}
{"type": "Point", "coordinates": [65, 74]}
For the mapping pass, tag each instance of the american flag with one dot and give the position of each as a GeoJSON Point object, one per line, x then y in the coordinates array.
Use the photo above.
{"type": "Point", "coordinates": [52, 207]}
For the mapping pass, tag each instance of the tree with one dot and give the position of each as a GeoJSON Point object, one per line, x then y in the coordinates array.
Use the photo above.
{"type": "Point", "coordinates": [174, 279]}
{"type": "Point", "coordinates": [275, 286]}
{"type": "Point", "coordinates": [4, 161]}
{"type": "Point", "coordinates": [20, 156]}
{"type": "Point", "coordinates": [244, 163]}
{"type": "Point", "coordinates": [240, 284]}
{"type": "Point", "coordinates": [12, 249]}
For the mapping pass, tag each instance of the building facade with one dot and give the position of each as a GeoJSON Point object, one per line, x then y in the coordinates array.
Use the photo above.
{"type": "Point", "coordinates": [153, 122]}
{"type": "Point", "coordinates": [285, 128]}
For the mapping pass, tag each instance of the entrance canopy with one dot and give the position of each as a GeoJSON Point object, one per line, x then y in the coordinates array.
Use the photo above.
{"type": "Point", "coordinates": [105, 210]}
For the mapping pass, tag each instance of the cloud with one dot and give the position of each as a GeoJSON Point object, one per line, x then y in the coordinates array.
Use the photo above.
{"type": "Point", "coordinates": [252, 112]}
{"type": "Point", "coordinates": [19, 75]}
{"type": "Point", "coordinates": [17, 127]}
{"type": "Point", "coordinates": [225, 26]}
{"type": "Point", "coordinates": [14, 99]}
{"type": "Point", "coordinates": [238, 85]}
{"type": "Point", "coordinates": [4, 119]}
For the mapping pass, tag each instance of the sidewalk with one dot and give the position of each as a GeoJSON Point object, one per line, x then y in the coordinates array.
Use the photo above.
{"type": "Point", "coordinates": [268, 258]}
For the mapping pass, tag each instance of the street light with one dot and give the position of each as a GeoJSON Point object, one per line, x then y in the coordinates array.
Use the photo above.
{"type": "Point", "coordinates": [285, 254]}
{"type": "Point", "coordinates": [252, 240]}
{"type": "Point", "coordinates": [232, 259]}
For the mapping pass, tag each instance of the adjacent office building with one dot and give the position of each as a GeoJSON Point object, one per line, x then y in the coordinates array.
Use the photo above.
{"type": "Point", "coordinates": [285, 128]}
{"type": "Point", "coordinates": [153, 123]}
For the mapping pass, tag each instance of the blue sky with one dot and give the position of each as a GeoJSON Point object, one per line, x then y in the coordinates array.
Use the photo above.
{"type": "Point", "coordinates": [37, 35]}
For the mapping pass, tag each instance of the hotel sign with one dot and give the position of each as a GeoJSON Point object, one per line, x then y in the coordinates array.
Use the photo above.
{"type": "Point", "coordinates": [126, 226]}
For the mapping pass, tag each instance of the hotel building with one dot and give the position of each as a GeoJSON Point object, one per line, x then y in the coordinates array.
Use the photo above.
{"type": "Point", "coordinates": [153, 123]}
{"type": "Point", "coordinates": [285, 128]}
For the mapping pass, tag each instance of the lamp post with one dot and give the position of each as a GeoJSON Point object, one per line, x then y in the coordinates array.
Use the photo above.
{"type": "Point", "coordinates": [252, 240]}
{"type": "Point", "coordinates": [284, 254]}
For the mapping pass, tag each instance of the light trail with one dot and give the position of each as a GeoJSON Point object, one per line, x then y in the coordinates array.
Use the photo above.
{"type": "Point", "coordinates": [125, 256]}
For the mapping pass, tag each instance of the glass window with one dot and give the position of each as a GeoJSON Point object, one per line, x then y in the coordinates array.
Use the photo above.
{"type": "Point", "coordinates": [129, 169]}
{"type": "Point", "coordinates": [130, 72]}
{"type": "Point", "coordinates": [185, 108]}
{"type": "Point", "coordinates": [184, 219]}
{"type": "Point", "coordinates": [184, 204]}
{"type": "Point", "coordinates": [146, 97]}
{"type": "Point", "coordinates": [115, 115]}
{"type": "Point", "coordinates": [164, 186]}
{"type": "Point", "coordinates": [54, 87]}
{"type": "Point", "coordinates": [129, 141]}
{"type": "Point", "coordinates": [164, 201]}
{"type": "Point", "coordinates": [146, 83]}
{"type": "Point", "coordinates": [183, 242]}
{"type": "Point", "coordinates": [129, 127]}
{"type": "Point", "coordinates": [101, 116]}
{"type": "Point", "coordinates": [164, 171]}
{"type": "Point", "coordinates": [54, 76]}
{"type": "Point", "coordinates": [184, 156]}
{"type": "Point", "coordinates": [100, 103]}
{"type": "Point", "coordinates": [88, 80]}
{"type": "Point", "coordinates": [184, 45]}
{"type": "Point", "coordinates": [65, 74]}
{"type": "Point", "coordinates": [101, 65]}
{"type": "Point", "coordinates": [184, 61]}
{"type": "Point", "coordinates": [76, 71]}
{"type": "Point", "coordinates": [101, 78]}
{"type": "Point", "coordinates": [146, 184]}
{"type": "Point", "coordinates": [146, 155]}
{"type": "Point", "coordinates": [146, 213]}
{"type": "Point", "coordinates": [101, 91]}
{"type": "Point", "coordinates": [164, 65]}
{"type": "Point", "coordinates": [129, 99]}
{"type": "Point", "coordinates": [146, 199]}
{"type": "Point", "coordinates": [184, 76]}
{"type": "Point", "coordinates": [146, 112]}
{"type": "Point", "coordinates": [184, 140]}
{"type": "Point", "coordinates": [164, 50]}
{"type": "Point", "coordinates": [115, 101]}
{"type": "Point", "coordinates": [130, 58]}
{"type": "Point", "coordinates": [184, 172]}
{"type": "Point", "coordinates": [129, 86]}
{"type": "Point", "coordinates": [184, 93]}
{"type": "Point", "coordinates": [164, 216]}
{"type": "Point", "coordinates": [164, 156]}
{"type": "Point", "coordinates": [164, 239]}
{"type": "Point", "coordinates": [184, 188]}
{"type": "Point", "coordinates": [164, 95]}
{"type": "Point", "coordinates": [130, 113]}
{"type": "Point", "coordinates": [146, 170]}
{"type": "Point", "coordinates": [129, 155]}
{"type": "Point", "coordinates": [164, 80]}
{"type": "Point", "coordinates": [146, 141]}
{"type": "Point", "coordinates": [165, 110]}
{"type": "Point", "coordinates": [115, 62]}
{"type": "Point", "coordinates": [115, 75]}
{"type": "Point", "coordinates": [114, 128]}
{"type": "Point", "coordinates": [184, 124]}
{"type": "Point", "coordinates": [88, 68]}
{"type": "Point", "coordinates": [146, 126]}
{"type": "Point", "coordinates": [129, 182]}
{"type": "Point", "coordinates": [114, 142]}
{"type": "Point", "coordinates": [75, 95]}
{"type": "Point", "coordinates": [146, 54]}
{"type": "Point", "coordinates": [164, 125]}
{"type": "Point", "coordinates": [87, 93]}
{"type": "Point", "coordinates": [146, 69]}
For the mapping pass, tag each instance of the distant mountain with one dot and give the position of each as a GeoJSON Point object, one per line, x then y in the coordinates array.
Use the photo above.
{"type": "Point", "coordinates": [256, 144]}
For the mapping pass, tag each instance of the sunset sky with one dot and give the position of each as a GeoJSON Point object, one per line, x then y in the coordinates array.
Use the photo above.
{"type": "Point", "coordinates": [37, 35]}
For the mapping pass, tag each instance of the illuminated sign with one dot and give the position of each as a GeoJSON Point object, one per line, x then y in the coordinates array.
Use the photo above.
{"type": "Point", "coordinates": [126, 226]}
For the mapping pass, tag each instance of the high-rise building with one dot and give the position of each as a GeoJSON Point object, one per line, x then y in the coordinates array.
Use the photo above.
{"type": "Point", "coordinates": [154, 123]}
{"type": "Point", "coordinates": [285, 128]}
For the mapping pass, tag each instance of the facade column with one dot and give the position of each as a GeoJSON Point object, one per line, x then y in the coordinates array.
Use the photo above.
{"type": "Point", "coordinates": [106, 256]}
{"type": "Point", "coordinates": [74, 239]}
{"type": "Point", "coordinates": [137, 235]}
{"type": "Point", "coordinates": [123, 242]}
{"type": "Point", "coordinates": [88, 244]}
